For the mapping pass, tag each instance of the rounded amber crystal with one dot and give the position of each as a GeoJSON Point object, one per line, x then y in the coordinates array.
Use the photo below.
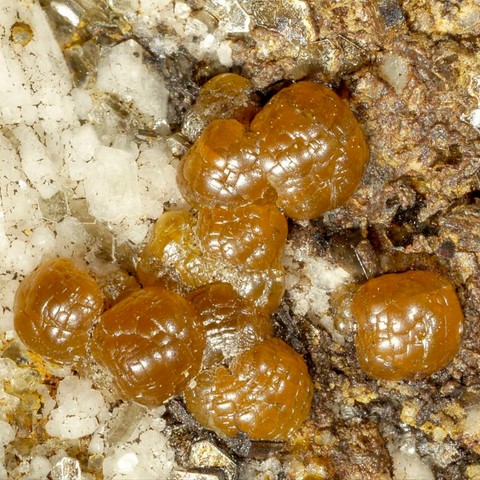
{"type": "Point", "coordinates": [152, 344]}
{"type": "Point", "coordinates": [266, 393]}
{"type": "Point", "coordinates": [54, 309]}
{"type": "Point", "coordinates": [172, 254]}
{"type": "Point", "coordinates": [231, 324]}
{"type": "Point", "coordinates": [221, 168]}
{"type": "Point", "coordinates": [252, 236]}
{"type": "Point", "coordinates": [227, 95]}
{"type": "Point", "coordinates": [311, 149]}
{"type": "Point", "coordinates": [409, 325]}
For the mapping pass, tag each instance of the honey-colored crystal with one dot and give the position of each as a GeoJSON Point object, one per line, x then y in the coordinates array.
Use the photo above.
{"type": "Point", "coordinates": [265, 393]}
{"type": "Point", "coordinates": [253, 236]}
{"type": "Point", "coordinates": [231, 324]}
{"type": "Point", "coordinates": [224, 96]}
{"type": "Point", "coordinates": [221, 169]}
{"type": "Point", "coordinates": [55, 307]}
{"type": "Point", "coordinates": [152, 344]}
{"type": "Point", "coordinates": [409, 325]}
{"type": "Point", "coordinates": [311, 149]}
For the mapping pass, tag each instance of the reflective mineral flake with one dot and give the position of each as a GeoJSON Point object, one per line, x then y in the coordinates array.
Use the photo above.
{"type": "Point", "coordinates": [290, 18]}
{"type": "Point", "coordinates": [231, 16]}
{"type": "Point", "coordinates": [67, 469]}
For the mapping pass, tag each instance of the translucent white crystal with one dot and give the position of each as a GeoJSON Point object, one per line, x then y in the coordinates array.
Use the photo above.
{"type": "Point", "coordinates": [7, 433]}
{"type": "Point", "coordinates": [146, 453]}
{"type": "Point", "coordinates": [407, 463]}
{"type": "Point", "coordinates": [111, 185]}
{"type": "Point", "coordinates": [124, 73]}
{"type": "Point", "coordinates": [394, 69]}
{"type": "Point", "coordinates": [78, 406]}
{"type": "Point", "coordinates": [39, 468]}
{"type": "Point", "coordinates": [80, 145]}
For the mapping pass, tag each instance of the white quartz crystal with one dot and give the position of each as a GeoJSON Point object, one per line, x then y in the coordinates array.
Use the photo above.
{"type": "Point", "coordinates": [313, 282]}
{"type": "Point", "coordinates": [151, 8]}
{"type": "Point", "coordinates": [77, 411]}
{"type": "Point", "coordinates": [145, 454]}
{"type": "Point", "coordinates": [40, 467]}
{"type": "Point", "coordinates": [394, 70]}
{"type": "Point", "coordinates": [7, 434]}
{"type": "Point", "coordinates": [124, 73]}
{"type": "Point", "coordinates": [111, 185]}
{"type": "Point", "coordinates": [407, 463]}
{"type": "Point", "coordinates": [80, 145]}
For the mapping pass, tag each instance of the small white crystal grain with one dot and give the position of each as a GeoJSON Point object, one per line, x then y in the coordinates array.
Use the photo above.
{"type": "Point", "coordinates": [124, 73]}
{"type": "Point", "coordinates": [182, 10]}
{"type": "Point", "coordinates": [394, 70]}
{"type": "Point", "coordinates": [407, 463]}
{"type": "Point", "coordinates": [111, 185]}
{"type": "Point", "coordinates": [146, 454]}
{"type": "Point", "coordinates": [77, 408]}
{"type": "Point", "coordinates": [7, 433]}
{"type": "Point", "coordinates": [224, 53]}
{"type": "Point", "coordinates": [127, 463]}
{"type": "Point", "coordinates": [36, 162]}
{"type": "Point", "coordinates": [39, 468]}
{"type": "Point", "coordinates": [80, 145]}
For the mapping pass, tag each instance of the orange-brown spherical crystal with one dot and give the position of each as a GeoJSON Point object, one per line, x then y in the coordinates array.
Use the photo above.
{"type": "Point", "coordinates": [409, 325]}
{"type": "Point", "coordinates": [311, 149]}
{"type": "Point", "coordinates": [266, 393]}
{"type": "Point", "coordinates": [253, 236]}
{"type": "Point", "coordinates": [152, 344]}
{"type": "Point", "coordinates": [172, 253]}
{"type": "Point", "coordinates": [221, 168]}
{"type": "Point", "coordinates": [55, 307]}
{"type": "Point", "coordinates": [263, 289]}
{"type": "Point", "coordinates": [231, 324]}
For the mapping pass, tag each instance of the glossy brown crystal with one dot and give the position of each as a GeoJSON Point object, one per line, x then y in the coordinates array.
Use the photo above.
{"type": "Point", "coordinates": [227, 95]}
{"type": "Point", "coordinates": [174, 257]}
{"type": "Point", "coordinates": [265, 393]}
{"type": "Point", "coordinates": [221, 168]}
{"type": "Point", "coordinates": [409, 325]}
{"type": "Point", "coordinates": [172, 254]}
{"type": "Point", "coordinates": [152, 344]}
{"type": "Point", "coordinates": [253, 236]}
{"type": "Point", "coordinates": [55, 307]}
{"type": "Point", "coordinates": [311, 149]}
{"type": "Point", "coordinates": [231, 324]}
